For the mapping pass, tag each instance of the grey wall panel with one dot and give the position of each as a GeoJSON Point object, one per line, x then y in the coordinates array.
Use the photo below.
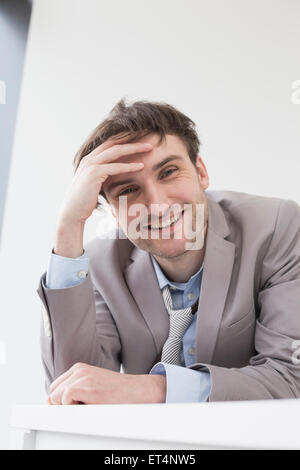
{"type": "Point", "coordinates": [14, 23]}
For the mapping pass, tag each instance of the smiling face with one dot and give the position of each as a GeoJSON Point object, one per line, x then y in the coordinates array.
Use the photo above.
{"type": "Point", "coordinates": [168, 179]}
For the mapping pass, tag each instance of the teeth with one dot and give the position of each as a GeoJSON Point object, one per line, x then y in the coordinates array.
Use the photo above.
{"type": "Point", "coordinates": [166, 224]}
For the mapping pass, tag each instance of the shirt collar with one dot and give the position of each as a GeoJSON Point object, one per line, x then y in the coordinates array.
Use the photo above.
{"type": "Point", "coordinates": [163, 280]}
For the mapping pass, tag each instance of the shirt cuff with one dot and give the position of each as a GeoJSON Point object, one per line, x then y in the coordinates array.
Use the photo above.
{"type": "Point", "coordinates": [66, 272]}
{"type": "Point", "coordinates": [184, 385]}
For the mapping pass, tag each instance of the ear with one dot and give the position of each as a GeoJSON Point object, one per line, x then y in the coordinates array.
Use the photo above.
{"type": "Point", "coordinates": [202, 172]}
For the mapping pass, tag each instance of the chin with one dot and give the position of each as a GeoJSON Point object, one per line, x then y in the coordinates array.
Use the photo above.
{"type": "Point", "coordinates": [164, 248]}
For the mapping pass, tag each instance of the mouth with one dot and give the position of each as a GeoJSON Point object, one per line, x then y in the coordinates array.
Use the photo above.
{"type": "Point", "coordinates": [168, 223]}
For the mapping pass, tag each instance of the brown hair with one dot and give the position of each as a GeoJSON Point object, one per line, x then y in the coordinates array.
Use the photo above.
{"type": "Point", "coordinates": [138, 120]}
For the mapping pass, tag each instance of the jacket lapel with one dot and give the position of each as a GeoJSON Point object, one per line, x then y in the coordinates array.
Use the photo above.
{"type": "Point", "coordinates": [143, 284]}
{"type": "Point", "coordinates": [217, 269]}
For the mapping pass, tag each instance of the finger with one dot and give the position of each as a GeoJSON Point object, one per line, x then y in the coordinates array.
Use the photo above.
{"type": "Point", "coordinates": [56, 395]}
{"type": "Point", "coordinates": [118, 151]}
{"type": "Point", "coordinates": [71, 390]}
{"type": "Point", "coordinates": [114, 169]}
{"type": "Point", "coordinates": [69, 394]}
{"type": "Point", "coordinates": [78, 366]}
{"type": "Point", "coordinates": [117, 168]}
{"type": "Point", "coordinates": [114, 140]}
{"type": "Point", "coordinates": [76, 394]}
{"type": "Point", "coordinates": [61, 379]}
{"type": "Point", "coordinates": [99, 174]}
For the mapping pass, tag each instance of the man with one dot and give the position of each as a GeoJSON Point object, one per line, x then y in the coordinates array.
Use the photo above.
{"type": "Point", "coordinates": [206, 308]}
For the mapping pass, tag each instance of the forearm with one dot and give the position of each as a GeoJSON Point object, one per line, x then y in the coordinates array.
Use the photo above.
{"type": "Point", "coordinates": [69, 239]}
{"type": "Point", "coordinates": [267, 381]}
{"type": "Point", "coordinates": [71, 336]}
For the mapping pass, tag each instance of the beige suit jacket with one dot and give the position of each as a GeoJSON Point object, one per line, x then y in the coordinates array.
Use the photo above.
{"type": "Point", "coordinates": [248, 322]}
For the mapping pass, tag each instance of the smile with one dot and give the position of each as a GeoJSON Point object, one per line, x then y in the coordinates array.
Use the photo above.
{"type": "Point", "coordinates": [167, 223]}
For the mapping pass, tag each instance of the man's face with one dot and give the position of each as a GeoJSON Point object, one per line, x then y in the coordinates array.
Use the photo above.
{"type": "Point", "coordinates": [163, 189]}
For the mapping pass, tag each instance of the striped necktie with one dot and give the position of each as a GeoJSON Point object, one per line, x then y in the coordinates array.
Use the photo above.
{"type": "Point", "coordinates": [179, 321]}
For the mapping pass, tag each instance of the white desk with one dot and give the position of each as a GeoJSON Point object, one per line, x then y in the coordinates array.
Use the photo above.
{"type": "Point", "coordinates": [263, 424]}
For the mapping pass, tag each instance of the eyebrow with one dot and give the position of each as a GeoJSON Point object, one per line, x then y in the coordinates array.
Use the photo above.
{"type": "Point", "coordinates": [155, 167]}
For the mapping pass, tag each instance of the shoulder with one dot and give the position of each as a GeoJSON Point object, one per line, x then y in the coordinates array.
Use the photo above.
{"type": "Point", "coordinates": [247, 208]}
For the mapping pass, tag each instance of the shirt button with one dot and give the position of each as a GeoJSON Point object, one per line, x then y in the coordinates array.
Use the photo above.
{"type": "Point", "coordinates": [81, 274]}
{"type": "Point", "coordinates": [173, 288]}
{"type": "Point", "coordinates": [191, 351]}
{"type": "Point", "coordinates": [191, 296]}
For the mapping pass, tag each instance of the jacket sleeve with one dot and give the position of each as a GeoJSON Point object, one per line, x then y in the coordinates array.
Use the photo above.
{"type": "Point", "coordinates": [76, 326]}
{"type": "Point", "coordinates": [274, 372]}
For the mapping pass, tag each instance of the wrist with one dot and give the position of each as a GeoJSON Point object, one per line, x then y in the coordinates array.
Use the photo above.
{"type": "Point", "coordinates": [69, 239]}
{"type": "Point", "coordinates": [66, 224]}
{"type": "Point", "coordinates": [159, 388]}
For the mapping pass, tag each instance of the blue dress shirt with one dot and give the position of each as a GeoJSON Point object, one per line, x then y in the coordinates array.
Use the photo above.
{"type": "Point", "coordinates": [182, 384]}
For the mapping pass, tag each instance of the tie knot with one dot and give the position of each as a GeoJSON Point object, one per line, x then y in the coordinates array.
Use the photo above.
{"type": "Point", "coordinates": [167, 298]}
{"type": "Point", "coordinates": [179, 317]}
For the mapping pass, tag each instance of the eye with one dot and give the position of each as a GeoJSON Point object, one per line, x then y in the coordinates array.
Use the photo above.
{"type": "Point", "coordinates": [126, 191]}
{"type": "Point", "coordinates": [169, 169]}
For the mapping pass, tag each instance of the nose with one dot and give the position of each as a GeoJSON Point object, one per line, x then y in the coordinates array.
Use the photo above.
{"type": "Point", "coordinates": [157, 202]}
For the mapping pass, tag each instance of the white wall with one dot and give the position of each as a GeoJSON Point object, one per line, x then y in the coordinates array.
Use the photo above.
{"type": "Point", "coordinates": [228, 64]}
